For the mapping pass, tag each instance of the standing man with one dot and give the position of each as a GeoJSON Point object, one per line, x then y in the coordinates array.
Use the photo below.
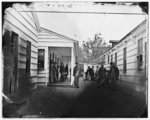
{"type": "Point", "coordinates": [66, 71]}
{"type": "Point", "coordinates": [55, 72]}
{"type": "Point", "coordinates": [87, 74]}
{"type": "Point", "coordinates": [76, 72]}
{"type": "Point", "coordinates": [102, 74]}
{"type": "Point", "coordinates": [114, 74]}
{"type": "Point", "coordinates": [96, 73]}
{"type": "Point", "coordinates": [92, 73]}
{"type": "Point", "coordinates": [62, 72]}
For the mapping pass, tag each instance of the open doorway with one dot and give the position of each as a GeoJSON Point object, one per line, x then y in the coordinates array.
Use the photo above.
{"type": "Point", "coordinates": [59, 65]}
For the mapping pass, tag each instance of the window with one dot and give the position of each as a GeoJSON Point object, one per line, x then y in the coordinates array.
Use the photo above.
{"type": "Point", "coordinates": [140, 55]}
{"type": "Point", "coordinates": [124, 60]}
{"type": "Point", "coordinates": [111, 58]}
{"type": "Point", "coordinates": [116, 59]}
{"type": "Point", "coordinates": [28, 57]}
{"type": "Point", "coordinates": [108, 58]}
{"type": "Point", "coordinates": [41, 54]}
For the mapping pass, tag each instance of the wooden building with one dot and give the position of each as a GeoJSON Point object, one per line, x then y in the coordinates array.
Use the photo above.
{"type": "Point", "coordinates": [130, 55]}
{"type": "Point", "coordinates": [22, 39]}
{"type": "Point", "coordinates": [56, 48]}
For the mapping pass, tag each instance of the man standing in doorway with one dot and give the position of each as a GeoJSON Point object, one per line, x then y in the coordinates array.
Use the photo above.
{"type": "Point", "coordinates": [62, 72]}
{"type": "Point", "coordinates": [76, 72]}
{"type": "Point", "coordinates": [66, 71]}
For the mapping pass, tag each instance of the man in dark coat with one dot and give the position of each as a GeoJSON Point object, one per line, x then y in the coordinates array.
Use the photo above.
{"type": "Point", "coordinates": [76, 72]}
{"type": "Point", "coordinates": [92, 73]}
{"type": "Point", "coordinates": [114, 74]}
{"type": "Point", "coordinates": [66, 71]}
{"type": "Point", "coordinates": [102, 73]}
{"type": "Point", "coordinates": [62, 72]}
{"type": "Point", "coordinates": [87, 74]}
{"type": "Point", "coordinates": [96, 73]}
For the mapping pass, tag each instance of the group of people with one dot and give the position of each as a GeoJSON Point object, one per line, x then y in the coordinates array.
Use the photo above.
{"type": "Point", "coordinates": [58, 72]}
{"type": "Point", "coordinates": [101, 75]}
{"type": "Point", "coordinates": [63, 72]}
{"type": "Point", "coordinates": [90, 73]}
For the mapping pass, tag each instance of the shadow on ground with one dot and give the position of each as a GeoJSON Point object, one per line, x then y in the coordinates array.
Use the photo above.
{"type": "Point", "coordinates": [86, 101]}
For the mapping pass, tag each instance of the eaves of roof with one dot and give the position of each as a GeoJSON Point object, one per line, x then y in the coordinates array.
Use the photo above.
{"type": "Point", "coordinates": [126, 36]}
{"type": "Point", "coordinates": [59, 35]}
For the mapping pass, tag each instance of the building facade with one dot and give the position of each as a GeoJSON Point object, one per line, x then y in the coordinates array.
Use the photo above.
{"type": "Point", "coordinates": [23, 42]}
{"type": "Point", "coordinates": [57, 49]}
{"type": "Point", "coordinates": [130, 55]}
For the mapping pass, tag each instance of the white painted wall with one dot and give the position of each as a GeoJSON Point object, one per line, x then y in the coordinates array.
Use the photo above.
{"type": "Point", "coordinates": [132, 78]}
{"type": "Point", "coordinates": [23, 24]}
{"type": "Point", "coordinates": [58, 45]}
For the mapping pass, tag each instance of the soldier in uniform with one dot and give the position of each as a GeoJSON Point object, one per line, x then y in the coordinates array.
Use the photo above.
{"type": "Point", "coordinates": [62, 72]}
{"type": "Point", "coordinates": [76, 72]}
{"type": "Point", "coordinates": [114, 74]}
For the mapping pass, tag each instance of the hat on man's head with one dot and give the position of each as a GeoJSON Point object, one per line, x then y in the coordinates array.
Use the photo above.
{"type": "Point", "coordinates": [111, 63]}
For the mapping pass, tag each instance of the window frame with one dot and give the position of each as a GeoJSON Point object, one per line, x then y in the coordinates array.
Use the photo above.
{"type": "Point", "coordinates": [116, 58]}
{"type": "Point", "coordinates": [124, 60]}
{"type": "Point", "coordinates": [41, 59]}
{"type": "Point", "coordinates": [140, 55]}
{"type": "Point", "coordinates": [28, 57]}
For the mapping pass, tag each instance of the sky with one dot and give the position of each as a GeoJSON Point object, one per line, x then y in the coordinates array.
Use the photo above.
{"type": "Point", "coordinates": [83, 26]}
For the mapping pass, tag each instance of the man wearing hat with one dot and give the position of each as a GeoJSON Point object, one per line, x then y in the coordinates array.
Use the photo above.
{"type": "Point", "coordinates": [114, 74]}
{"type": "Point", "coordinates": [76, 71]}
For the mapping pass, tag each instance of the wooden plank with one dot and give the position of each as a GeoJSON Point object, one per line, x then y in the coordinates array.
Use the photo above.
{"type": "Point", "coordinates": [35, 55]}
{"type": "Point", "coordinates": [21, 65]}
{"type": "Point", "coordinates": [24, 20]}
{"type": "Point", "coordinates": [19, 20]}
{"type": "Point", "coordinates": [33, 73]}
{"type": "Point", "coordinates": [8, 25]}
{"type": "Point", "coordinates": [27, 16]}
{"type": "Point", "coordinates": [21, 49]}
{"type": "Point", "coordinates": [21, 58]}
{"type": "Point", "coordinates": [33, 66]}
{"type": "Point", "coordinates": [47, 36]}
{"type": "Point", "coordinates": [33, 60]}
{"type": "Point", "coordinates": [40, 44]}
{"type": "Point", "coordinates": [30, 16]}
{"type": "Point", "coordinates": [132, 59]}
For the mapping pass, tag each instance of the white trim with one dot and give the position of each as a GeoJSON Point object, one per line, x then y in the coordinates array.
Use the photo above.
{"type": "Point", "coordinates": [57, 34]}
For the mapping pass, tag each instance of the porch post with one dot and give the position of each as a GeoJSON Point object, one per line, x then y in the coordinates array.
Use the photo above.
{"type": "Point", "coordinates": [46, 66]}
{"type": "Point", "coordinates": [72, 65]}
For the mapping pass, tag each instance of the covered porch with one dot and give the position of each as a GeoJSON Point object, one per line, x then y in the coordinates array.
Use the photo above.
{"type": "Point", "coordinates": [55, 49]}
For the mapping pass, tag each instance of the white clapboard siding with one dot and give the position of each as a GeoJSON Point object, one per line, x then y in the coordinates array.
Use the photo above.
{"type": "Point", "coordinates": [33, 60]}
{"type": "Point", "coordinates": [22, 57]}
{"type": "Point", "coordinates": [22, 50]}
{"type": "Point", "coordinates": [15, 21]}
{"type": "Point", "coordinates": [23, 21]}
{"type": "Point", "coordinates": [131, 59]}
{"type": "Point", "coordinates": [33, 66]}
{"type": "Point", "coordinates": [40, 44]}
{"type": "Point", "coordinates": [21, 65]}
{"type": "Point", "coordinates": [40, 37]}
{"type": "Point", "coordinates": [27, 15]}
{"type": "Point", "coordinates": [33, 54]}
{"type": "Point", "coordinates": [12, 27]}
{"type": "Point", "coordinates": [33, 72]}
{"type": "Point", "coordinates": [133, 78]}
